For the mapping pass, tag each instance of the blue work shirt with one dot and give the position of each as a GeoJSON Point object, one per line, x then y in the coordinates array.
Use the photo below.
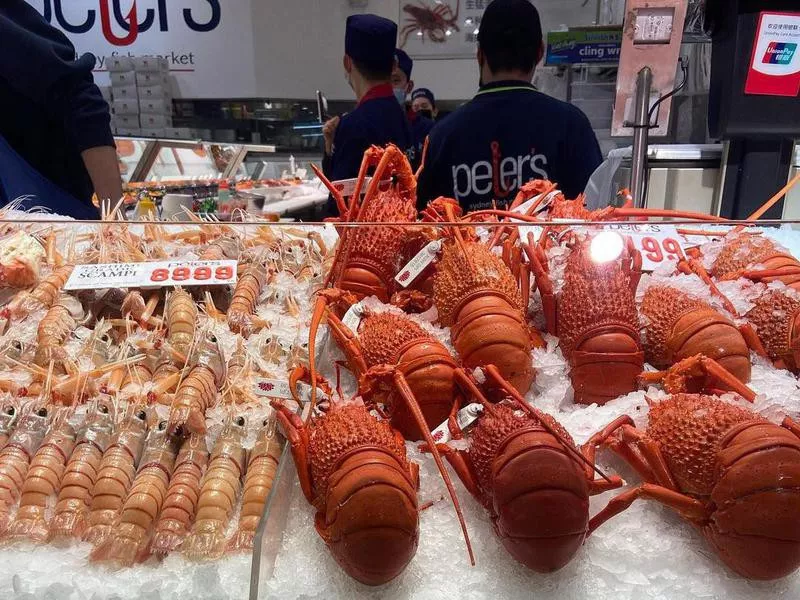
{"type": "Point", "coordinates": [378, 119]}
{"type": "Point", "coordinates": [505, 136]}
{"type": "Point", "coordinates": [50, 108]}
{"type": "Point", "coordinates": [420, 128]}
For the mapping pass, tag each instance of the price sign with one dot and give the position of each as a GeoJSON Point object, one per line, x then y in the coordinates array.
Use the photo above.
{"type": "Point", "coordinates": [152, 274]}
{"type": "Point", "coordinates": [657, 243]}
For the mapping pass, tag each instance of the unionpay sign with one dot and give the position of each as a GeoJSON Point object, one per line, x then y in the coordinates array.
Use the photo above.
{"type": "Point", "coordinates": [775, 65]}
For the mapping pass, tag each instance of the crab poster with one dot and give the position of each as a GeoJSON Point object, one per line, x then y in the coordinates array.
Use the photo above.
{"type": "Point", "coordinates": [440, 28]}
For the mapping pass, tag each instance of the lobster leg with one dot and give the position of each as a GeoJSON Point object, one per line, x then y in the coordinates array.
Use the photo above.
{"type": "Point", "coordinates": [348, 343]}
{"type": "Point", "coordinates": [675, 378]}
{"type": "Point", "coordinates": [693, 510]}
{"type": "Point", "coordinates": [752, 339]}
{"type": "Point", "coordinates": [652, 455]}
{"type": "Point", "coordinates": [693, 266]}
{"type": "Point", "coordinates": [544, 285]}
{"type": "Point", "coordinates": [589, 449]}
{"type": "Point", "coordinates": [458, 460]}
{"type": "Point", "coordinates": [792, 426]}
{"type": "Point", "coordinates": [632, 263]}
{"type": "Point", "coordinates": [402, 387]}
{"type": "Point", "coordinates": [525, 283]}
{"type": "Point", "coordinates": [297, 436]}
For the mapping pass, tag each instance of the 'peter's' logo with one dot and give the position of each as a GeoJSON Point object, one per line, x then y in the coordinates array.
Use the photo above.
{"type": "Point", "coordinates": [779, 53]}
{"type": "Point", "coordinates": [129, 24]}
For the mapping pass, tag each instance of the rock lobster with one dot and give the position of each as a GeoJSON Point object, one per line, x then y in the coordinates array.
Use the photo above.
{"type": "Point", "coordinates": [353, 469]}
{"type": "Point", "coordinates": [729, 472]}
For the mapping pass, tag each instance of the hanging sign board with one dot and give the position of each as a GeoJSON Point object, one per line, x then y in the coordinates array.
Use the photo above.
{"type": "Point", "coordinates": [775, 64]}
{"type": "Point", "coordinates": [587, 45]}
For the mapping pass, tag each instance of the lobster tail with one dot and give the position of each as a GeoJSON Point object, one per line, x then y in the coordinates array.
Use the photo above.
{"type": "Point", "coordinates": [69, 524]}
{"type": "Point", "coordinates": [30, 524]}
{"type": "Point", "coordinates": [206, 542]}
{"type": "Point", "coordinates": [166, 541]}
{"type": "Point", "coordinates": [242, 540]}
{"type": "Point", "coordinates": [123, 548]}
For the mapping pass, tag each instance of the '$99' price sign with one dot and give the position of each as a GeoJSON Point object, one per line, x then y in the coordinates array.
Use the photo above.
{"type": "Point", "coordinates": [152, 274]}
{"type": "Point", "coordinates": [193, 274]}
{"type": "Point", "coordinates": [657, 243]}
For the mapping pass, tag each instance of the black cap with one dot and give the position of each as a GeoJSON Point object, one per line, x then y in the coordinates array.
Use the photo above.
{"type": "Point", "coordinates": [371, 40]}
{"type": "Point", "coordinates": [423, 93]}
{"type": "Point", "coordinates": [404, 62]}
{"type": "Point", "coordinates": [507, 22]}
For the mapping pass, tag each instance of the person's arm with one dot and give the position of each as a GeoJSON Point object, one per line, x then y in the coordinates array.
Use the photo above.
{"type": "Point", "coordinates": [349, 148]}
{"type": "Point", "coordinates": [52, 77]}
{"type": "Point", "coordinates": [583, 156]}
{"type": "Point", "coordinates": [103, 166]}
{"type": "Point", "coordinates": [328, 134]}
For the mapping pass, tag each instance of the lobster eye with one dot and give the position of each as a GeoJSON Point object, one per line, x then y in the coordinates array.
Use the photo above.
{"type": "Point", "coordinates": [141, 415]}
{"type": "Point", "coordinates": [213, 339]}
{"type": "Point", "coordinates": [265, 421]}
{"type": "Point", "coordinates": [42, 412]}
{"type": "Point", "coordinates": [10, 411]}
{"type": "Point", "coordinates": [104, 409]}
{"type": "Point", "coordinates": [162, 426]}
{"type": "Point", "coordinates": [179, 431]}
{"type": "Point", "coordinates": [240, 421]}
{"type": "Point", "coordinates": [17, 345]}
{"type": "Point", "coordinates": [104, 338]}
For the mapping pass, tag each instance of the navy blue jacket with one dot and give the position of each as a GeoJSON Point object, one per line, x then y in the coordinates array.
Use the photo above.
{"type": "Point", "coordinates": [378, 119]}
{"type": "Point", "coordinates": [50, 108]}
{"type": "Point", "coordinates": [505, 136]}
{"type": "Point", "coordinates": [420, 128]}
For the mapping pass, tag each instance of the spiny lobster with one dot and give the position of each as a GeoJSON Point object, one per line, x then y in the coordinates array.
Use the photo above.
{"type": "Point", "coordinates": [732, 474]}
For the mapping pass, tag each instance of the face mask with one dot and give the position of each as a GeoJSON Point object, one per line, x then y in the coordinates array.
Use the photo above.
{"type": "Point", "coordinates": [428, 114]}
{"type": "Point", "coordinates": [400, 95]}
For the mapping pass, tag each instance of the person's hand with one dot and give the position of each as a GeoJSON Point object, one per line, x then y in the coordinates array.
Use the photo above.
{"type": "Point", "coordinates": [328, 132]}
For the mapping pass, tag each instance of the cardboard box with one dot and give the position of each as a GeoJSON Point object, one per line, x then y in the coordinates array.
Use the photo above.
{"type": "Point", "coordinates": [156, 106]}
{"type": "Point", "coordinates": [151, 78]}
{"type": "Point", "coordinates": [150, 64]}
{"type": "Point", "coordinates": [153, 132]}
{"type": "Point", "coordinates": [124, 92]}
{"type": "Point", "coordinates": [122, 78]}
{"type": "Point", "coordinates": [119, 63]}
{"type": "Point", "coordinates": [126, 121]}
{"type": "Point", "coordinates": [155, 121]}
{"type": "Point", "coordinates": [150, 92]}
{"type": "Point", "coordinates": [178, 133]}
{"type": "Point", "coordinates": [126, 106]}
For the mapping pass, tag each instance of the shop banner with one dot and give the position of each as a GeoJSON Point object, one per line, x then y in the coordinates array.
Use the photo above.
{"type": "Point", "coordinates": [775, 64]}
{"type": "Point", "coordinates": [207, 43]}
{"type": "Point", "coordinates": [583, 46]}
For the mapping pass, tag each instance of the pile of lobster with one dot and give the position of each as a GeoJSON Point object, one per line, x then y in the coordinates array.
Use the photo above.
{"type": "Point", "coordinates": [138, 419]}
{"type": "Point", "coordinates": [724, 468]}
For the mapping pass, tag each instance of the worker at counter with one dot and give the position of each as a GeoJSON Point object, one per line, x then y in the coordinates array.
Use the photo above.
{"type": "Point", "coordinates": [420, 125]}
{"type": "Point", "coordinates": [378, 118]}
{"type": "Point", "coordinates": [56, 145]}
{"type": "Point", "coordinates": [508, 133]}
{"type": "Point", "coordinates": [424, 103]}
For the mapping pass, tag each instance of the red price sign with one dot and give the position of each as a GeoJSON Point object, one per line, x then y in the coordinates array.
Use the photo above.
{"type": "Point", "coordinates": [657, 243]}
{"type": "Point", "coordinates": [189, 275]}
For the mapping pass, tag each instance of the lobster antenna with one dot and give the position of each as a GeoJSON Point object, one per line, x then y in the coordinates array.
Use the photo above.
{"type": "Point", "coordinates": [466, 382]}
{"type": "Point", "coordinates": [405, 391]}
{"type": "Point", "coordinates": [492, 371]}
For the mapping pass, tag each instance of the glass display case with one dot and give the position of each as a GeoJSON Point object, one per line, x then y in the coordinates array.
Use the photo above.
{"type": "Point", "coordinates": [198, 325]}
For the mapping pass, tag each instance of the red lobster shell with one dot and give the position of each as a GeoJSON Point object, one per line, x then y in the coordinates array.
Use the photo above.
{"type": "Point", "coordinates": [729, 472]}
{"type": "Point", "coordinates": [744, 250]}
{"type": "Point", "coordinates": [677, 326]}
{"type": "Point", "coordinates": [521, 465]}
{"type": "Point", "coordinates": [477, 296]}
{"type": "Point", "coordinates": [597, 323]}
{"type": "Point", "coordinates": [353, 469]}
{"type": "Point", "coordinates": [776, 317]}
{"type": "Point", "coordinates": [388, 339]}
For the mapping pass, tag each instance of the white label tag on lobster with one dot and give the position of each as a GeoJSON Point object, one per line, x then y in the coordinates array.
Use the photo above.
{"type": "Point", "coordinates": [657, 242]}
{"type": "Point", "coordinates": [272, 388]}
{"type": "Point", "coordinates": [548, 199]}
{"type": "Point", "coordinates": [352, 318]}
{"type": "Point", "coordinates": [417, 264]}
{"type": "Point", "coordinates": [346, 187]}
{"type": "Point", "coordinates": [465, 418]}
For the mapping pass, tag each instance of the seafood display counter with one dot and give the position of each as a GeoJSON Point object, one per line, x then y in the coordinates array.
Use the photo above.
{"type": "Point", "coordinates": [583, 410]}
